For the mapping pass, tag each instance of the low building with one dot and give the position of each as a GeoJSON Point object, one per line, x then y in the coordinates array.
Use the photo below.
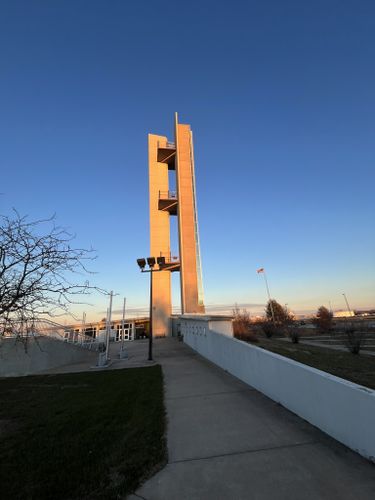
{"type": "Point", "coordinates": [343, 314]}
{"type": "Point", "coordinates": [134, 328]}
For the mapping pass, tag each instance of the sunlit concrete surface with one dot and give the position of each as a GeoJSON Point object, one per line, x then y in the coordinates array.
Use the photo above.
{"type": "Point", "coordinates": [159, 236]}
{"type": "Point", "coordinates": [37, 354]}
{"type": "Point", "coordinates": [191, 289]}
{"type": "Point", "coordinates": [137, 357]}
{"type": "Point", "coordinates": [175, 200]}
{"type": "Point", "coordinates": [228, 441]}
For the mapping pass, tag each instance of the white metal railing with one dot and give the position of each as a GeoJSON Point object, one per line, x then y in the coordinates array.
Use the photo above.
{"type": "Point", "coordinates": [167, 195]}
{"type": "Point", "coordinates": [166, 145]}
{"type": "Point", "coordinates": [51, 329]}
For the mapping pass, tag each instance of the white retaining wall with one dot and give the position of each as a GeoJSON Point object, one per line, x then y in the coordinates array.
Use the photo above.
{"type": "Point", "coordinates": [41, 354]}
{"type": "Point", "coordinates": [342, 409]}
{"type": "Point", "coordinates": [200, 323]}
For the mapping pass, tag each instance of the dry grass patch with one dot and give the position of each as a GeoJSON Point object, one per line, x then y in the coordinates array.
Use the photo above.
{"type": "Point", "coordinates": [82, 435]}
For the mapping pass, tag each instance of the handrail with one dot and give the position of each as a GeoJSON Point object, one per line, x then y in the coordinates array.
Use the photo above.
{"type": "Point", "coordinates": [167, 195]}
{"type": "Point", "coordinates": [51, 329]}
{"type": "Point", "coordinates": [166, 145]}
{"type": "Point", "coordinates": [169, 259]}
{"type": "Point", "coordinates": [76, 338]}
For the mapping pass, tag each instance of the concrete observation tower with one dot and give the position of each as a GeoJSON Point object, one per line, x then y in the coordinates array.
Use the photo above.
{"type": "Point", "coordinates": [177, 156]}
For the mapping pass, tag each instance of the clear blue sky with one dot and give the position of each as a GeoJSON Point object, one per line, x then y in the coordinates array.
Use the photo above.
{"type": "Point", "coordinates": [281, 99]}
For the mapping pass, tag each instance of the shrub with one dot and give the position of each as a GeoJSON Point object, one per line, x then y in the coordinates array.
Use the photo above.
{"type": "Point", "coordinates": [242, 326]}
{"type": "Point", "coordinates": [354, 340]}
{"type": "Point", "coordinates": [293, 333]}
{"type": "Point", "coordinates": [268, 329]}
{"type": "Point", "coordinates": [249, 336]}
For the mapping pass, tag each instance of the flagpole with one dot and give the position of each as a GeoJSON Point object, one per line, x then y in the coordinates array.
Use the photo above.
{"type": "Point", "coordinates": [268, 290]}
{"type": "Point", "coordinates": [268, 293]}
{"type": "Point", "coordinates": [348, 306]}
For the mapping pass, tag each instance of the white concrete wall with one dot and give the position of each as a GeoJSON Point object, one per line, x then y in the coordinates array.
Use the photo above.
{"type": "Point", "coordinates": [225, 327]}
{"type": "Point", "coordinates": [201, 323]}
{"type": "Point", "coordinates": [41, 354]}
{"type": "Point", "coordinates": [344, 410]}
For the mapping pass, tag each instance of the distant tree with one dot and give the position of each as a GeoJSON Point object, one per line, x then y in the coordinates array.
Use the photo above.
{"type": "Point", "coordinates": [323, 319]}
{"type": "Point", "coordinates": [281, 316]}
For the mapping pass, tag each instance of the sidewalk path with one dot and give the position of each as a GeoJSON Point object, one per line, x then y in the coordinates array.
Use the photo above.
{"type": "Point", "coordinates": [228, 441]}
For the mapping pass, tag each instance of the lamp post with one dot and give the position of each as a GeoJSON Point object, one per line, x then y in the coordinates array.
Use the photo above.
{"type": "Point", "coordinates": [151, 261]}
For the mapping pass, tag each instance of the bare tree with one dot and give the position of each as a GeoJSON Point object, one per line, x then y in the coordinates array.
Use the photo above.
{"type": "Point", "coordinates": [39, 270]}
{"type": "Point", "coordinates": [355, 338]}
{"type": "Point", "coordinates": [242, 325]}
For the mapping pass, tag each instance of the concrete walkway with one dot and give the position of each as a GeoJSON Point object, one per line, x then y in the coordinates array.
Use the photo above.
{"type": "Point", "coordinates": [228, 441]}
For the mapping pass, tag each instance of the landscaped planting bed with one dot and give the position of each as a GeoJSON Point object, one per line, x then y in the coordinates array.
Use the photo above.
{"type": "Point", "coordinates": [356, 368]}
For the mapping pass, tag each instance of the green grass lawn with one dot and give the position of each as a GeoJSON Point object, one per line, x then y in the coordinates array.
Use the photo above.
{"type": "Point", "coordinates": [80, 436]}
{"type": "Point", "coordinates": [356, 368]}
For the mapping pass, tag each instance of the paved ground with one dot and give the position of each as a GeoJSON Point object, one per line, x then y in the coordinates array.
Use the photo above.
{"type": "Point", "coordinates": [137, 357]}
{"type": "Point", "coordinates": [228, 441]}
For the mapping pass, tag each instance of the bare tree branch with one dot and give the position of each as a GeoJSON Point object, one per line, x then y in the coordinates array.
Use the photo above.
{"type": "Point", "coordinates": [39, 270]}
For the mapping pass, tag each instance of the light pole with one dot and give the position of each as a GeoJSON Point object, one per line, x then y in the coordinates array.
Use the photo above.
{"type": "Point", "coordinates": [151, 261]}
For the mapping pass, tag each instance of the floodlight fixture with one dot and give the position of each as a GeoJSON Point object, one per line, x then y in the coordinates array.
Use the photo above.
{"type": "Point", "coordinates": [151, 261]}
{"type": "Point", "coordinates": [161, 261]}
{"type": "Point", "coordinates": [141, 263]}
